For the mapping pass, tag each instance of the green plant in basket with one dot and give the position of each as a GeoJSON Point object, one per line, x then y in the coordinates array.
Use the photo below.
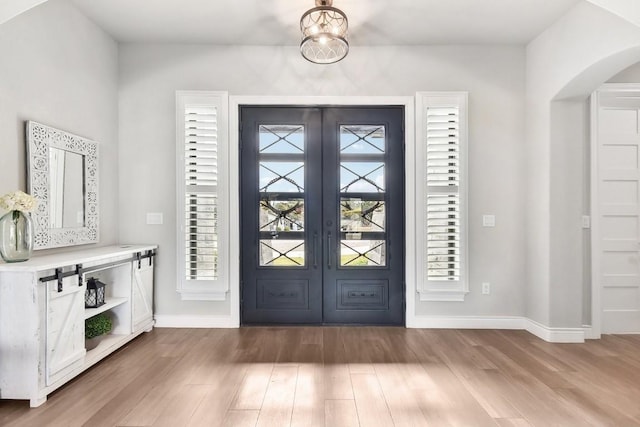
{"type": "Point", "coordinates": [97, 325]}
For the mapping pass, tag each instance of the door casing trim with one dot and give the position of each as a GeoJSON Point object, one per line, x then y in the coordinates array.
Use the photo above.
{"type": "Point", "coordinates": [408, 102]}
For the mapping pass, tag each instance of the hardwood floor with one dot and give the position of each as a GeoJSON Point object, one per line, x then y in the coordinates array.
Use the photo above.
{"type": "Point", "coordinates": [349, 376]}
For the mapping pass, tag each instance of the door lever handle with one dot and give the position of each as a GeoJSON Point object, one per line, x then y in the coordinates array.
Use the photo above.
{"type": "Point", "coordinates": [315, 250]}
{"type": "Point", "coordinates": [329, 250]}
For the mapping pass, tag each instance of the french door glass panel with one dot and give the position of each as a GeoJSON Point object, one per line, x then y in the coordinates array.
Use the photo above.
{"type": "Point", "coordinates": [281, 208]}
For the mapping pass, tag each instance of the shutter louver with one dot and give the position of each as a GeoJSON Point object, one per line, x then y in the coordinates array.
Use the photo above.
{"type": "Point", "coordinates": [201, 180]}
{"type": "Point", "coordinates": [443, 237]}
{"type": "Point", "coordinates": [443, 194]}
{"type": "Point", "coordinates": [443, 147]}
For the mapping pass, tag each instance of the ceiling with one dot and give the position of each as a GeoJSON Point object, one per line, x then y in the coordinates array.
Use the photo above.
{"type": "Point", "coordinates": [371, 22]}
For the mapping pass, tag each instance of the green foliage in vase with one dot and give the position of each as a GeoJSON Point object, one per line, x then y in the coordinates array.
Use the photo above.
{"type": "Point", "coordinates": [97, 325]}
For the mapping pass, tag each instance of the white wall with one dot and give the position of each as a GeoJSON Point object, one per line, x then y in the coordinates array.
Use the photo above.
{"type": "Point", "coordinates": [494, 77]}
{"type": "Point", "coordinates": [567, 162]}
{"type": "Point", "coordinates": [60, 69]}
{"type": "Point", "coordinates": [628, 75]}
{"type": "Point", "coordinates": [12, 8]}
{"type": "Point", "coordinates": [626, 9]}
{"type": "Point", "coordinates": [564, 65]}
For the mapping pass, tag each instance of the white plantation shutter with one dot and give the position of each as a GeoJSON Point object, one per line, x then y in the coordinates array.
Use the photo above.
{"type": "Point", "coordinates": [443, 198]}
{"type": "Point", "coordinates": [442, 123]}
{"type": "Point", "coordinates": [201, 180]}
{"type": "Point", "coordinates": [202, 133]}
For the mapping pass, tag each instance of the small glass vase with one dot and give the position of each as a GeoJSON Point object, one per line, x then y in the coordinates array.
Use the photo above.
{"type": "Point", "coordinates": [16, 236]}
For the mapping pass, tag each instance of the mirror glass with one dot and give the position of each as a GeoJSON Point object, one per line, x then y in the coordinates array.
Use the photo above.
{"type": "Point", "coordinates": [62, 175]}
{"type": "Point", "coordinates": [66, 180]}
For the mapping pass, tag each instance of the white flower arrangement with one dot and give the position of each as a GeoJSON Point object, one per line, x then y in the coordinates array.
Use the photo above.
{"type": "Point", "coordinates": [18, 201]}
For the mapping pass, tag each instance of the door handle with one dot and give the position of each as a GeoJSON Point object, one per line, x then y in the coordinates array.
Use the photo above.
{"type": "Point", "coordinates": [315, 250]}
{"type": "Point", "coordinates": [329, 250]}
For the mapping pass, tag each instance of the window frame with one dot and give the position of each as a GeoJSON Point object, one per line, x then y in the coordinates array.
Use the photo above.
{"type": "Point", "coordinates": [203, 290]}
{"type": "Point", "coordinates": [441, 290]}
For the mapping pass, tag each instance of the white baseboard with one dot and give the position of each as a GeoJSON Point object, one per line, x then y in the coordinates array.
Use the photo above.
{"type": "Point", "coordinates": [590, 333]}
{"type": "Point", "coordinates": [556, 335]}
{"type": "Point", "coordinates": [466, 322]}
{"type": "Point", "coordinates": [187, 321]}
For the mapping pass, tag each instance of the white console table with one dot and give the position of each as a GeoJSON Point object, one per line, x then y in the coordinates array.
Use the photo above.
{"type": "Point", "coordinates": [42, 314]}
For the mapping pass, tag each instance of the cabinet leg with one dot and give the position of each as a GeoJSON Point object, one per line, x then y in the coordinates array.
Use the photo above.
{"type": "Point", "coordinates": [34, 403]}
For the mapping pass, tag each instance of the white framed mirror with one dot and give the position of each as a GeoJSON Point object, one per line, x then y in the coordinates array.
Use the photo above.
{"type": "Point", "coordinates": [62, 174]}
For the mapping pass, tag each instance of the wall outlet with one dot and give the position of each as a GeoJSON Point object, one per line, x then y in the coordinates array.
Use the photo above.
{"type": "Point", "coordinates": [486, 288]}
{"type": "Point", "coordinates": [586, 221]}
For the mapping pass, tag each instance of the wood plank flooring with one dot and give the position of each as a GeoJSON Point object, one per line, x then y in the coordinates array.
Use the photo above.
{"type": "Point", "coordinates": [348, 376]}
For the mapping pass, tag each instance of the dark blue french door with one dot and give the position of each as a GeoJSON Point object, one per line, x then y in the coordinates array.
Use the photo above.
{"type": "Point", "coordinates": [322, 215]}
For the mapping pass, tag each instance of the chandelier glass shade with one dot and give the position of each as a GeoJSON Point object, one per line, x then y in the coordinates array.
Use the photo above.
{"type": "Point", "coordinates": [324, 33]}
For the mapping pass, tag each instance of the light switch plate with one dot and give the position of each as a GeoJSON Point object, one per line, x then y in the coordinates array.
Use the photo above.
{"type": "Point", "coordinates": [488, 220]}
{"type": "Point", "coordinates": [586, 221]}
{"type": "Point", "coordinates": [154, 218]}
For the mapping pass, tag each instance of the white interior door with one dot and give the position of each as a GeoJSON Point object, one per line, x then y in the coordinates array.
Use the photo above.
{"type": "Point", "coordinates": [616, 259]}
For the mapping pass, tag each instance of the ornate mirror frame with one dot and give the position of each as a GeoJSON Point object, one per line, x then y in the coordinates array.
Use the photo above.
{"type": "Point", "coordinates": [39, 139]}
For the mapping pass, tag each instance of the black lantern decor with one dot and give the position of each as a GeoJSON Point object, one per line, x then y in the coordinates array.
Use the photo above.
{"type": "Point", "coordinates": [94, 295]}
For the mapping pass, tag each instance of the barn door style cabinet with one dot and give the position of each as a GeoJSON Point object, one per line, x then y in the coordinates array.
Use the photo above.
{"type": "Point", "coordinates": [42, 314]}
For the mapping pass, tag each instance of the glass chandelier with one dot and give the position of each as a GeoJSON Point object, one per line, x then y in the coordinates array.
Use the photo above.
{"type": "Point", "coordinates": [324, 33]}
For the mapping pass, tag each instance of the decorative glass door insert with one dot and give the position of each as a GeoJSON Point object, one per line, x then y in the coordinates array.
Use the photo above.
{"type": "Point", "coordinates": [362, 196]}
{"type": "Point", "coordinates": [282, 187]}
